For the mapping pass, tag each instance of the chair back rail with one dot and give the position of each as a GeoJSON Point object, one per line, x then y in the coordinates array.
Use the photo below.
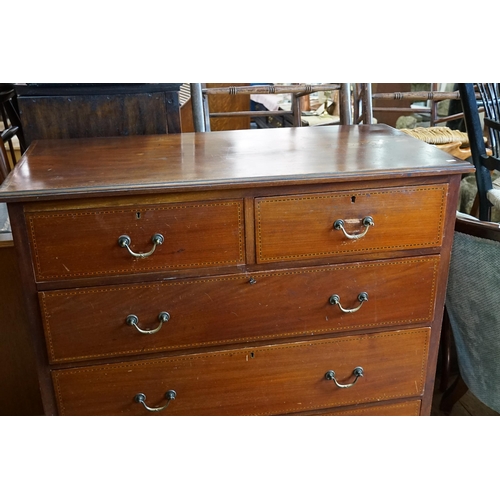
{"type": "Point", "coordinates": [202, 113]}
{"type": "Point", "coordinates": [432, 97]}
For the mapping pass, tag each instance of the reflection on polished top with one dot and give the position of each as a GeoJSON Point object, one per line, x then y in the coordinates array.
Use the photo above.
{"type": "Point", "coordinates": [214, 160]}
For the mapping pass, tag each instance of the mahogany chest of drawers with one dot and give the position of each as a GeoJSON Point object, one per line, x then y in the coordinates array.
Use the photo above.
{"type": "Point", "coordinates": [252, 272]}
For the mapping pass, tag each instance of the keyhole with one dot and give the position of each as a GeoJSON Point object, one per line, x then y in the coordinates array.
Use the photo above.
{"type": "Point", "coordinates": [138, 215]}
{"type": "Point", "coordinates": [353, 199]}
{"type": "Point", "coordinates": [252, 355]}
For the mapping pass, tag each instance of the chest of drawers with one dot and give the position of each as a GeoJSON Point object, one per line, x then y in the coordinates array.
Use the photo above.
{"type": "Point", "coordinates": [253, 272]}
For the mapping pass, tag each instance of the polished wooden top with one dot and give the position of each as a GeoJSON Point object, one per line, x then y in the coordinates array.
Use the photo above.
{"type": "Point", "coordinates": [220, 160]}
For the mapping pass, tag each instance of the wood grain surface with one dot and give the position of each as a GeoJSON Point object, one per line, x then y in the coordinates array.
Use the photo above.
{"type": "Point", "coordinates": [263, 380]}
{"type": "Point", "coordinates": [89, 323]}
{"type": "Point", "coordinates": [83, 243]}
{"type": "Point", "coordinates": [145, 164]}
{"type": "Point", "coordinates": [302, 227]}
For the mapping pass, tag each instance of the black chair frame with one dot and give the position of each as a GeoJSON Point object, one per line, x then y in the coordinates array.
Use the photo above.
{"type": "Point", "coordinates": [483, 163]}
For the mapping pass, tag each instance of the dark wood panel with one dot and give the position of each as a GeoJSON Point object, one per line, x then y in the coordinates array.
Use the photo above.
{"type": "Point", "coordinates": [91, 322]}
{"type": "Point", "coordinates": [71, 89]}
{"type": "Point", "coordinates": [18, 376]}
{"type": "Point", "coordinates": [260, 381]}
{"type": "Point", "coordinates": [93, 116]}
{"type": "Point", "coordinates": [236, 158]}
{"type": "Point", "coordinates": [59, 111]}
{"type": "Point", "coordinates": [173, 112]}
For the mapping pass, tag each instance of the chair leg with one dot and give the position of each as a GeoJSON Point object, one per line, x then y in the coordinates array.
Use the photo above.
{"type": "Point", "coordinates": [452, 395]}
{"type": "Point", "coordinates": [445, 353]}
{"type": "Point", "coordinates": [297, 111]}
{"type": "Point", "coordinates": [4, 163]}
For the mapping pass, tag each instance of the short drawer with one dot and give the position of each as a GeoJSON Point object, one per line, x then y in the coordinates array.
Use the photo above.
{"type": "Point", "coordinates": [304, 227]}
{"type": "Point", "coordinates": [92, 322]}
{"type": "Point", "coordinates": [267, 380]}
{"type": "Point", "coordinates": [82, 243]}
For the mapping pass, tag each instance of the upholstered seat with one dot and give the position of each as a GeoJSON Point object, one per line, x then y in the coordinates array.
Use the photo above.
{"type": "Point", "coordinates": [472, 303]}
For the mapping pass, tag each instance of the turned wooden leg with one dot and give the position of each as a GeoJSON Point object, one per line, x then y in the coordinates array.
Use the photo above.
{"type": "Point", "coordinates": [452, 395]}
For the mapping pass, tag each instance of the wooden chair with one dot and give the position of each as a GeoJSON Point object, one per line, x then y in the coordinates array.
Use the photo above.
{"type": "Point", "coordinates": [10, 128]}
{"type": "Point", "coordinates": [474, 316]}
{"type": "Point", "coordinates": [365, 103]}
{"type": "Point", "coordinates": [487, 98]}
{"type": "Point", "coordinates": [202, 113]}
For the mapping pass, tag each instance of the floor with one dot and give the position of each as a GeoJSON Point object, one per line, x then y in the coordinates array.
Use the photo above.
{"type": "Point", "coordinates": [467, 406]}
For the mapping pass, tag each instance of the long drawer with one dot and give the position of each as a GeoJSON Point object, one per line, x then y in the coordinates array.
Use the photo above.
{"type": "Point", "coordinates": [82, 243]}
{"type": "Point", "coordinates": [267, 380]}
{"type": "Point", "coordinates": [309, 227]}
{"type": "Point", "coordinates": [99, 322]}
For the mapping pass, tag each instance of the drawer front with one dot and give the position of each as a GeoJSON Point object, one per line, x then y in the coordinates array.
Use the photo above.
{"type": "Point", "coordinates": [302, 227]}
{"type": "Point", "coordinates": [406, 409]}
{"type": "Point", "coordinates": [259, 381]}
{"type": "Point", "coordinates": [82, 243]}
{"type": "Point", "coordinates": [92, 322]}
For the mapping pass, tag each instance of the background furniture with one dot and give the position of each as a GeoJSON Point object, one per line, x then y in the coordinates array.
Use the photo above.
{"type": "Point", "coordinates": [376, 101]}
{"type": "Point", "coordinates": [484, 163]}
{"type": "Point", "coordinates": [203, 112]}
{"type": "Point", "coordinates": [383, 110]}
{"type": "Point", "coordinates": [472, 306]}
{"type": "Point", "coordinates": [452, 141]}
{"type": "Point", "coordinates": [10, 129]}
{"type": "Point", "coordinates": [218, 103]}
{"type": "Point", "coordinates": [243, 272]}
{"type": "Point", "coordinates": [60, 111]}
{"type": "Point", "coordinates": [4, 162]}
